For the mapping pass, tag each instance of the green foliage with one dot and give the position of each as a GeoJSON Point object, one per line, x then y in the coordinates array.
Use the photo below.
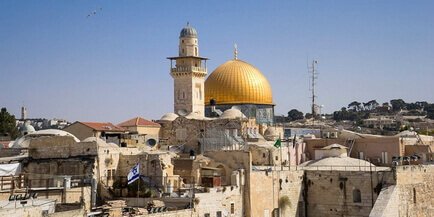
{"type": "Point", "coordinates": [397, 104]}
{"type": "Point", "coordinates": [359, 110]}
{"type": "Point", "coordinates": [144, 191]}
{"type": "Point", "coordinates": [7, 124]}
{"type": "Point", "coordinates": [430, 111]}
{"type": "Point", "coordinates": [295, 114]}
{"type": "Point", "coordinates": [355, 106]}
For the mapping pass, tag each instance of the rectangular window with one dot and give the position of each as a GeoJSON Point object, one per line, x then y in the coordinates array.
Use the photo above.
{"type": "Point", "coordinates": [384, 157]}
{"type": "Point", "coordinates": [232, 208]}
{"type": "Point", "coordinates": [361, 155]}
{"type": "Point", "coordinates": [207, 215]}
{"type": "Point", "coordinates": [219, 214]}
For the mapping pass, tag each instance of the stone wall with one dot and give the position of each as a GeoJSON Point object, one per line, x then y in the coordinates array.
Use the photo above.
{"type": "Point", "coordinates": [35, 211]}
{"type": "Point", "coordinates": [271, 190]}
{"type": "Point", "coordinates": [60, 147]}
{"type": "Point", "coordinates": [224, 199]}
{"type": "Point", "coordinates": [177, 213]}
{"type": "Point", "coordinates": [415, 189]}
{"type": "Point", "coordinates": [343, 193]}
{"type": "Point", "coordinates": [70, 213]}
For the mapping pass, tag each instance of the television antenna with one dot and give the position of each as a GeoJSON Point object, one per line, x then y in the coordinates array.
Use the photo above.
{"type": "Point", "coordinates": [313, 76]}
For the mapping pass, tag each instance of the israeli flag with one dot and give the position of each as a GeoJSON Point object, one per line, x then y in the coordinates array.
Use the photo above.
{"type": "Point", "coordinates": [134, 174]}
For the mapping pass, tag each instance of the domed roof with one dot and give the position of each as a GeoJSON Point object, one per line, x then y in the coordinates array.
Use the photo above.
{"type": "Point", "coordinates": [188, 31]}
{"type": "Point", "coordinates": [27, 128]}
{"type": "Point", "coordinates": [232, 114]}
{"type": "Point", "coordinates": [338, 163]}
{"type": "Point", "coordinates": [169, 117]}
{"type": "Point", "coordinates": [237, 82]}
{"type": "Point", "coordinates": [270, 131]}
{"type": "Point", "coordinates": [270, 134]}
{"type": "Point", "coordinates": [24, 141]}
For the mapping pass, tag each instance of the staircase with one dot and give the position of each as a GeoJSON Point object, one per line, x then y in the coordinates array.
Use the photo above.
{"type": "Point", "coordinates": [349, 143]}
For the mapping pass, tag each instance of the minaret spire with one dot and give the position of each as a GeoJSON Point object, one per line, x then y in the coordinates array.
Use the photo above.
{"type": "Point", "coordinates": [235, 52]}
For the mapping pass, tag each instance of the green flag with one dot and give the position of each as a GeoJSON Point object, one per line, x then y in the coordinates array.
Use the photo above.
{"type": "Point", "coordinates": [278, 143]}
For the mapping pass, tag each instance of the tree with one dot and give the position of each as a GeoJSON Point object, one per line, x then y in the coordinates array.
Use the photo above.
{"type": "Point", "coordinates": [371, 105]}
{"type": "Point", "coordinates": [355, 106]}
{"type": "Point", "coordinates": [7, 124]}
{"type": "Point", "coordinates": [422, 104]}
{"type": "Point", "coordinates": [295, 114]}
{"type": "Point", "coordinates": [397, 104]}
{"type": "Point", "coordinates": [430, 111]}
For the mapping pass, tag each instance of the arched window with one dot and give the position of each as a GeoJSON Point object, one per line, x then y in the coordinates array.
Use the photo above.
{"type": "Point", "coordinates": [195, 51]}
{"type": "Point", "coordinates": [357, 196]}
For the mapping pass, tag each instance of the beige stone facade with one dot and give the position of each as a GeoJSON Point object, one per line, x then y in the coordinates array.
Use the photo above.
{"type": "Point", "coordinates": [188, 75]}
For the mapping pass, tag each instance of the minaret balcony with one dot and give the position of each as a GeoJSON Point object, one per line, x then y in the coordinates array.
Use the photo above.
{"type": "Point", "coordinates": [188, 69]}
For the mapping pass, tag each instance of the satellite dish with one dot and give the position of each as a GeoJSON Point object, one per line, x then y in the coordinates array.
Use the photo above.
{"type": "Point", "coordinates": [151, 142]}
{"type": "Point", "coordinates": [182, 112]}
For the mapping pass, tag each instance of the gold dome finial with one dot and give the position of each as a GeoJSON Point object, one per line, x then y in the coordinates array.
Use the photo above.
{"type": "Point", "coordinates": [235, 52]}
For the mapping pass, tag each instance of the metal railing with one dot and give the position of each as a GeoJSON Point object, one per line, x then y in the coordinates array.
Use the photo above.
{"type": "Point", "coordinates": [188, 69]}
{"type": "Point", "coordinates": [363, 168]}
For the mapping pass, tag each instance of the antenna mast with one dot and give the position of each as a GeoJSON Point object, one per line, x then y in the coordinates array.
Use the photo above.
{"type": "Point", "coordinates": [313, 77]}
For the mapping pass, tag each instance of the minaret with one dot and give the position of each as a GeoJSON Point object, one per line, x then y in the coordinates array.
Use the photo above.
{"type": "Point", "coordinates": [23, 113]}
{"type": "Point", "coordinates": [188, 75]}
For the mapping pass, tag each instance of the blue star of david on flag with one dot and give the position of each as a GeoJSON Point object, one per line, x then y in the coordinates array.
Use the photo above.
{"type": "Point", "coordinates": [134, 174]}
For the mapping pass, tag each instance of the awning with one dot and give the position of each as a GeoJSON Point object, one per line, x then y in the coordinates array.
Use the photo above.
{"type": "Point", "coordinates": [10, 169]}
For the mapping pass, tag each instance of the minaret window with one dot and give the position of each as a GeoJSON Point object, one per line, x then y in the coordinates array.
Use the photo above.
{"type": "Point", "coordinates": [195, 51]}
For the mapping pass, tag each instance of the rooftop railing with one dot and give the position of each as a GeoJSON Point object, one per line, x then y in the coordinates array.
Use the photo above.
{"type": "Point", "coordinates": [188, 68]}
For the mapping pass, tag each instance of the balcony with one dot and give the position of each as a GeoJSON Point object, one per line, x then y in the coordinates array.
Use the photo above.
{"type": "Point", "coordinates": [188, 69]}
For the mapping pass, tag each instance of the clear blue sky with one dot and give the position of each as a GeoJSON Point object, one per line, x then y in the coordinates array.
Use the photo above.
{"type": "Point", "coordinates": [112, 66]}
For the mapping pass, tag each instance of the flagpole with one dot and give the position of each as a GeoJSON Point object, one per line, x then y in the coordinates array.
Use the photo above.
{"type": "Point", "coordinates": [281, 159]}
{"type": "Point", "coordinates": [289, 158]}
{"type": "Point", "coordinates": [138, 185]}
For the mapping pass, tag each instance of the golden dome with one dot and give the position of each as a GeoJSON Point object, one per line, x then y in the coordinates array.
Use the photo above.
{"type": "Point", "coordinates": [237, 82]}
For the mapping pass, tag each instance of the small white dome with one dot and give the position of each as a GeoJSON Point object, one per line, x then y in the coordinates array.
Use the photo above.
{"type": "Point", "coordinates": [270, 134]}
{"type": "Point", "coordinates": [194, 115]}
{"type": "Point", "coordinates": [270, 131]}
{"type": "Point", "coordinates": [27, 128]}
{"type": "Point", "coordinates": [232, 114]}
{"type": "Point", "coordinates": [169, 117]}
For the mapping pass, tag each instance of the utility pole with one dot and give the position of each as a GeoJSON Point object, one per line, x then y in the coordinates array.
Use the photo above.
{"type": "Point", "coordinates": [313, 76]}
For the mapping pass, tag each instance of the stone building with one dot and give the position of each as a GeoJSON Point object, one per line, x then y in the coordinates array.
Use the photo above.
{"type": "Point", "coordinates": [107, 131]}
{"type": "Point", "coordinates": [142, 133]}
{"type": "Point", "coordinates": [379, 150]}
